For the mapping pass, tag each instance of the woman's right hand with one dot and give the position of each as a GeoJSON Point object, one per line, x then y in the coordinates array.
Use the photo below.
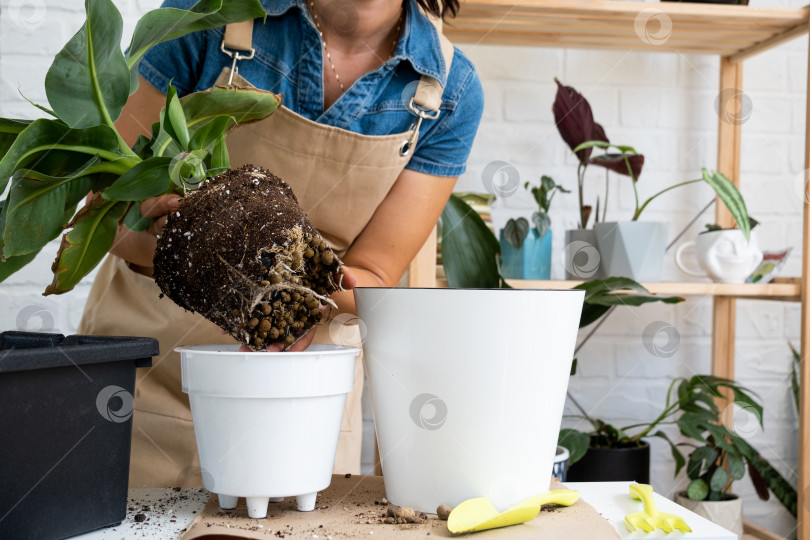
{"type": "Point", "coordinates": [138, 248]}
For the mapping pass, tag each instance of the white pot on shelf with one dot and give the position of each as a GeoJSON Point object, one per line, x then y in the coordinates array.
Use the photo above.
{"type": "Point", "coordinates": [727, 514]}
{"type": "Point", "coordinates": [267, 423]}
{"type": "Point", "coordinates": [467, 388]}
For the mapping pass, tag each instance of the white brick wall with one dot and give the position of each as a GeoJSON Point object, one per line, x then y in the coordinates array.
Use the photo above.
{"type": "Point", "coordinates": [661, 104]}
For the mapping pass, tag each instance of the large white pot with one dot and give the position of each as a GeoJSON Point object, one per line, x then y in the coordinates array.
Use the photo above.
{"type": "Point", "coordinates": [267, 424]}
{"type": "Point", "coordinates": [468, 388]}
{"type": "Point", "coordinates": [728, 514]}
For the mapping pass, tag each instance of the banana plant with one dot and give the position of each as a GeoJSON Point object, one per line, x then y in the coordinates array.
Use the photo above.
{"type": "Point", "coordinates": [52, 164]}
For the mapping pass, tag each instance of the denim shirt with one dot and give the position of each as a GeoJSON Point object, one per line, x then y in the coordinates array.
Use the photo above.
{"type": "Point", "coordinates": [289, 61]}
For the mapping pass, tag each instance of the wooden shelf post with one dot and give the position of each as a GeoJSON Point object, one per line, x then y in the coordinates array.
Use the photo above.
{"type": "Point", "coordinates": [803, 513]}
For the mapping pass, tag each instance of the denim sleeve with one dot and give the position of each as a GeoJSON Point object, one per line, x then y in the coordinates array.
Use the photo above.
{"type": "Point", "coordinates": [179, 60]}
{"type": "Point", "coordinates": [446, 146]}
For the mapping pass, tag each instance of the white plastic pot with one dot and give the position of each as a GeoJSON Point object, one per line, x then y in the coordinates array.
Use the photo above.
{"type": "Point", "coordinates": [267, 424]}
{"type": "Point", "coordinates": [468, 388]}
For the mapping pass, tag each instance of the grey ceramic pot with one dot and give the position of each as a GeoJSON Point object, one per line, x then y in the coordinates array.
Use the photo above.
{"type": "Point", "coordinates": [581, 258]}
{"type": "Point", "coordinates": [633, 249]}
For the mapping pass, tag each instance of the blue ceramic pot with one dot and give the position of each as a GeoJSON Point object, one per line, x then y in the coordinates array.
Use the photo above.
{"type": "Point", "coordinates": [531, 261]}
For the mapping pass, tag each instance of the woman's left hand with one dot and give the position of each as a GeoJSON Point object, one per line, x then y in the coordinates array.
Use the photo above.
{"type": "Point", "coordinates": [348, 283]}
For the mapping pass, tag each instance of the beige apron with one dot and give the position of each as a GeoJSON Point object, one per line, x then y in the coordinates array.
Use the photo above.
{"type": "Point", "coordinates": [340, 178]}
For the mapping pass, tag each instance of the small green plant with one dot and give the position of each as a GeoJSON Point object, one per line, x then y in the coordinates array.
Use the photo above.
{"type": "Point", "coordinates": [516, 230]}
{"type": "Point", "coordinates": [718, 455]}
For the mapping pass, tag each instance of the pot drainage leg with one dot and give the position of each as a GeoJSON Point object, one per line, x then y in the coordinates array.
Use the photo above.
{"type": "Point", "coordinates": [276, 499]}
{"type": "Point", "coordinates": [306, 502]}
{"type": "Point", "coordinates": [227, 502]}
{"type": "Point", "coordinates": [257, 507]}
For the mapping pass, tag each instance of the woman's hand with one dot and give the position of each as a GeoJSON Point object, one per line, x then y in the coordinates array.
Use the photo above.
{"type": "Point", "coordinates": [349, 282]}
{"type": "Point", "coordinates": [138, 248]}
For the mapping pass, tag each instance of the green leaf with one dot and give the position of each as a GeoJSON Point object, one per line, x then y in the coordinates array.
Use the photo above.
{"type": "Point", "coordinates": [576, 442]}
{"type": "Point", "coordinates": [173, 120]}
{"type": "Point", "coordinates": [542, 222]}
{"type": "Point", "coordinates": [697, 490]}
{"type": "Point", "coordinates": [469, 249]}
{"type": "Point", "coordinates": [776, 482]}
{"type": "Point", "coordinates": [794, 375]}
{"type": "Point", "coordinates": [10, 265]}
{"type": "Point", "coordinates": [164, 24]}
{"type": "Point", "coordinates": [600, 294]}
{"type": "Point", "coordinates": [43, 136]}
{"type": "Point", "coordinates": [700, 460]}
{"type": "Point", "coordinates": [210, 133]}
{"type": "Point", "coordinates": [731, 197]}
{"type": "Point", "coordinates": [134, 221]}
{"type": "Point", "coordinates": [574, 367]}
{"type": "Point", "coordinates": [149, 178]}
{"type": "Point", "coordinates": [88, 81]}
{"type": "Point", "coordinates": [736, 465]}
{"type": "Point", "coordinates": [719, 479]}
{"type": "Point", "coordinates": [85, 245]}
{"type": "Point", "coordinates": [676, 454]}
{"type": "Point", "coordinates": [242, 105]}
{"type": "Point", "coordinates": [516, 231]}
{"type": "Point", "coordinates": [9, 129]}
{"type": "Point", "coordinates": [37, 205]}
{"type": "Point", "coordinates": [219, 159]}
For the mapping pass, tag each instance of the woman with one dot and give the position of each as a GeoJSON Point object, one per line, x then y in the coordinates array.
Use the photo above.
{"type": "Point", "coordinates": [378, 117]}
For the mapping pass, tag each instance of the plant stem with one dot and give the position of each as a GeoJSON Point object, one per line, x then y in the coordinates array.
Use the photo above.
{"type": "Point", "coordinates": [633, 182]}
{"type": "Point", "coordinates": [648, 201]}
{"type": "Point", "coordinates": [607, 190]}
{"type": "Point", "coordinates": [580, 180]}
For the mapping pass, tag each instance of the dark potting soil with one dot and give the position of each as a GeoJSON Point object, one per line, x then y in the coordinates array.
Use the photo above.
{"type": "Point", "coordinates": [241, 252]}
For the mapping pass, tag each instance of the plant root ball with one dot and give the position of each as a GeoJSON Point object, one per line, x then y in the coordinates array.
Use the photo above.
{"type": "Point", "coordinates": [242, 253]}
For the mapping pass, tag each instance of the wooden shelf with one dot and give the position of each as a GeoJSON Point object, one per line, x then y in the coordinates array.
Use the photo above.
{"type": "Point", "coordinates": [787, 289]}
{"type": "Point", "coordinates": [725, 30]}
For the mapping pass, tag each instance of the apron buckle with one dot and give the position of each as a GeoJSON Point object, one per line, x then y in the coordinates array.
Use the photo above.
{"type": "Point", "coordinates": [236, 55]}
{"type": "Point", "coordinates": [421, 114]}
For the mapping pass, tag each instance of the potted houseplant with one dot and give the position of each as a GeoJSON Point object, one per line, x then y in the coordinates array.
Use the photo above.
{"type": "Point", "coordinates": [636, 248]}
{"type": "Point", "coordinates": [574, 119]}
{"type": "Point", "coordinates": [525, 250]}
{"type": "Point", "coordinates": [53, 164]}
{"type": "Point", "coordinates": [723, 255]}
{"type": "Point", "coordinates": [718, 455]}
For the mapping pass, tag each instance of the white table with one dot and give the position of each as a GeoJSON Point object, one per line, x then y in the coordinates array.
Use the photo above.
{"type": "Point", "coordinates": [167, 513]}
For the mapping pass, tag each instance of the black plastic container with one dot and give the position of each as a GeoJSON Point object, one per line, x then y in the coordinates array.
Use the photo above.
{"type": "Point", "coordinates": [66, 428]}
{"type": "Point", "coordinates": [612, 465]}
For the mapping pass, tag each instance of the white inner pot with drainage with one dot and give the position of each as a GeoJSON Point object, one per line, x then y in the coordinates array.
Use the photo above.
{"type": "Point", "coordinates": [267, 423]}
{"type": "Point", "coordinates": [468, 388]}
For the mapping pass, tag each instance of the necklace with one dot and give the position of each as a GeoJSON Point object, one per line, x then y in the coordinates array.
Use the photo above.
{"type": "Point", "coordinates": [326, 50]}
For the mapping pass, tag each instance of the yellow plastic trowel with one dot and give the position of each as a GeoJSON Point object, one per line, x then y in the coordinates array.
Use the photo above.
{"type": "Point", "coordinates": [479, 515]}
{"type": "Point", "coordinates": [651, 518]}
